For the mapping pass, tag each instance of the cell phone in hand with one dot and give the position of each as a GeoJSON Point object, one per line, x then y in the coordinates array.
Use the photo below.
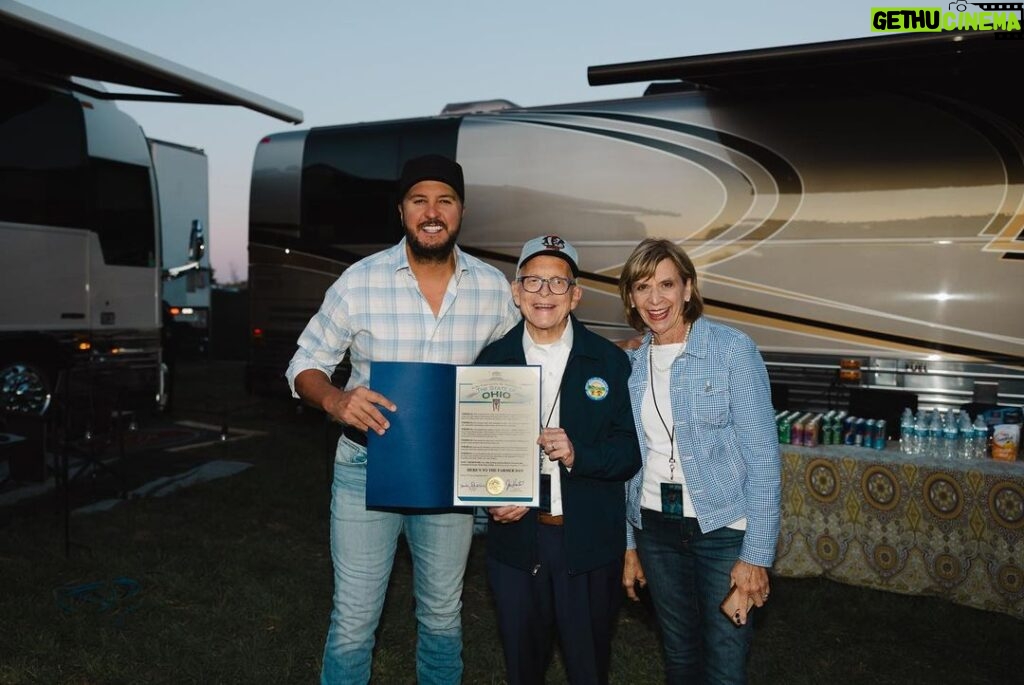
{"type": "Point", "coordinates": [733, 601]}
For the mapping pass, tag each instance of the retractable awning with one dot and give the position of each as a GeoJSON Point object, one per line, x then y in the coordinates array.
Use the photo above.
{"type": "Point", "coordinates": [43, 45]}
{"type": "Point", "coordinates": [945, 60]}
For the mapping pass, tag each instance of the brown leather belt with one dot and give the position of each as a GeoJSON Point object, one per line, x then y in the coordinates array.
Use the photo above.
{"type": "Point", "coordinates": [549, 520]}
{"type": "Point", "coordinates": [355, 435]}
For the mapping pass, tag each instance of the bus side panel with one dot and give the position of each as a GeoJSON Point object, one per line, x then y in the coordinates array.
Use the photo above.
{"type": "Point", "coordinates": [801, 237]}
{"type": "Point", "coordinates": [825, 226]}
{"type": "Point", "coordinates": [46, 276]}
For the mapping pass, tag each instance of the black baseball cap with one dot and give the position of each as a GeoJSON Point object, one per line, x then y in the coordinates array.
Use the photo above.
{"type": "Point", "coordinates": [432, 168]}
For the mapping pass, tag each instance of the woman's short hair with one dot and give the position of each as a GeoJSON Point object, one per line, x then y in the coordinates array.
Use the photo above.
{"type": "Point", "coordinates": [641, 265]}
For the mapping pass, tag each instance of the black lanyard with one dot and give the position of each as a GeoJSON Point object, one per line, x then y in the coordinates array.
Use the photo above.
{"type": "Point", "coordinates": [551, 414]}
{"type": "Point", "coordinates": [671, 433]}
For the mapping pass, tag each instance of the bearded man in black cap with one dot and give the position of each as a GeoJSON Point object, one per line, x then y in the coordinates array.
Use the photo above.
{"type": "Point", "coordinates": [423, 300]}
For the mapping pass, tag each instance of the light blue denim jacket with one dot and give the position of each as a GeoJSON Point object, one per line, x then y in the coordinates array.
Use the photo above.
{"type": "Point", "coordinates": [725, 435]}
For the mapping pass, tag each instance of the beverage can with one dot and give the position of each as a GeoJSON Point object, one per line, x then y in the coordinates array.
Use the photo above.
{"type": "Point", "coordinates": [784, 430]}
{"type": "Point", "coordinates": [805, 427]}
{"type": "Point", "coordinates": [796, 434]}
{"type": "Point", "coordinates": [859, 429]}
{"type": "Point", "coordinates": [828, 425]}
{"type": "Point", "coordinates": [880, 435]}
{"type": "Point", "coordinates": [868, 438]}
{"type": "Point", "coordinates": [835, 431]}
{"type": "Point", "coordinates": [849, 431]}
{"type": "Point", "coordinates": [811, 431]}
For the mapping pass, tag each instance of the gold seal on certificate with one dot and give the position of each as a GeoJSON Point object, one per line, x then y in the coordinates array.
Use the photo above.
{"type": "Point", "coordinates": [495, 485]}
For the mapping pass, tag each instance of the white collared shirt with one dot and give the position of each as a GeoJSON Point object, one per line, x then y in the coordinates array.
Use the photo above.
{"type": "Point", "coordinates": [552, 358]}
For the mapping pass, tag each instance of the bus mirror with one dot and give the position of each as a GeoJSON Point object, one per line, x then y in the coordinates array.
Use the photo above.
{"type": "Point", "coordinates": [196, 241]}
{"type": "Point", "coordinates": [176, 271]}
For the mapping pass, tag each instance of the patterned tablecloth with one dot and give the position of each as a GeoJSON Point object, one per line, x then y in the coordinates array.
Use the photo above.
{"type": "Point", "coordinates": [883, 520]}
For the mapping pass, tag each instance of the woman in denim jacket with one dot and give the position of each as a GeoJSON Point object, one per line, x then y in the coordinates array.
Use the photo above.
{"type": "Point", "coordinates": [702, 406]}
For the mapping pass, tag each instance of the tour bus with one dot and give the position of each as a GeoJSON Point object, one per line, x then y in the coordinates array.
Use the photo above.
{"type": "Point", "coordinates": [86, 202]}
{"type": "Point", "coordinates": [855, 206]}
{"type": "Point", "coordinates": [183, 194]}
{"type": "Point", "coordinates": [79, 247]}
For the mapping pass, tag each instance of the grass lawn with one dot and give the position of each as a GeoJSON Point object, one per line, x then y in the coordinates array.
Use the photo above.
{"type": "Point", "coordinates": [230, 582]}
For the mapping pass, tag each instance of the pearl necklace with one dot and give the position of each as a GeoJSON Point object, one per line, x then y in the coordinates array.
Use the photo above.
{"type": "Point", "coordinates": [682, 349]}
{"type": "Point", "coordinates": [664, 356]}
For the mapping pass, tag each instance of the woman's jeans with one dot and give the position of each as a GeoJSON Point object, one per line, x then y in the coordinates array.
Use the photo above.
{"type": "Point", "coordinates": [363, 544]}
{"type": "Point", "coordinates": [688, 575]}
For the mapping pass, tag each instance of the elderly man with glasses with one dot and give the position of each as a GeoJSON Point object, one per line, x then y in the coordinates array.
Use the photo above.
{"type": "Point", "coordinates": [560, 564]}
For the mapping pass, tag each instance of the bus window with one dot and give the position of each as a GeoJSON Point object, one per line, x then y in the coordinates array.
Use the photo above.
{"type": "Point", "coordinates": [122, 213]}
{"type": "Point", "coordinates": [348, 186]}
{"type": "Point", "coordinates": [350, 178]}
{"type": "Point", "coordinates": [42, 157]}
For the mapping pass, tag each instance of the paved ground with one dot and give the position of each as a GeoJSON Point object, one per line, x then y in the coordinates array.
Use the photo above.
{"type": "Point", "coordinates": [153, 455]}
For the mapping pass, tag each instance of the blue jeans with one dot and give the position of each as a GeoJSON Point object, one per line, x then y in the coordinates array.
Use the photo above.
{"type": "Point", "coordinates": [363, 544]}
{"type": "Point", "coordinates": [688, 577]}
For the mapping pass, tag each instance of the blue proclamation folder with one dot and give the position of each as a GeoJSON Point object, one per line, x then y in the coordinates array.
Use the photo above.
{"type": "Point", "coordinates": [410, 466]}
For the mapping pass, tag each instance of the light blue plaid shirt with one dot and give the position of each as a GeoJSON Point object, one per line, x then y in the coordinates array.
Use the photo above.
{"type": "Point", "coordinates": [725, 431]}
{"type": "Point", "coordinates": [376, 311]}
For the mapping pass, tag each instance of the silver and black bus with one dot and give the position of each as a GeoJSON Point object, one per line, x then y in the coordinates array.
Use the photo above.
{"type": "Point", "coordinates": [855, 203]}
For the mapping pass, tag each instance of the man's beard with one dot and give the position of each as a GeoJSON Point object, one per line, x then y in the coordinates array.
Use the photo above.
{"type": "Point", "coordinates": [431, 253]}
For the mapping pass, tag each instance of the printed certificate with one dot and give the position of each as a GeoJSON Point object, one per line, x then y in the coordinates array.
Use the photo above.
{"type": "Point", "coordinates": [497, 421]}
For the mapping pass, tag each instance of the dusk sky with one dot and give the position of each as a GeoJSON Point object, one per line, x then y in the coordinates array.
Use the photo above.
{"type": "Point", "coordinates": [344, 62]}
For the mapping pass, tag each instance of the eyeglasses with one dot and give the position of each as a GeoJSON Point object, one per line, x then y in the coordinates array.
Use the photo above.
{"type": "Point", "coordinates": [557, 285]}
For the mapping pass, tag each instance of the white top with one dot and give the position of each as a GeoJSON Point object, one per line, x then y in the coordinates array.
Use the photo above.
{"type": "Point", "coordinates": [552, 359]}
{"type": "Point", "coordinates": [657, 430]}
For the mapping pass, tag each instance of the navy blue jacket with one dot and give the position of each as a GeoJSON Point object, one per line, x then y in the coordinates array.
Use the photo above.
{"type": "Point", "coordinates": [606, 455]}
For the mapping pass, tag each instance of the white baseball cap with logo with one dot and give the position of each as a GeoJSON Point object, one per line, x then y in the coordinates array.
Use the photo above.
{"type": "Point", "coordinates": [550, 245]}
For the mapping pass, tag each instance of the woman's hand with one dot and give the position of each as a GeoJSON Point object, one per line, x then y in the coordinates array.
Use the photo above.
{"type": "Point", "coordinates": [752, 582]}
{"type": "Point", "coordinates": [633, 574]}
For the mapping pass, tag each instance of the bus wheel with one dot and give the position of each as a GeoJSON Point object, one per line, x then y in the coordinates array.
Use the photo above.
{"type": "Point", "coordinates": [25, 388]}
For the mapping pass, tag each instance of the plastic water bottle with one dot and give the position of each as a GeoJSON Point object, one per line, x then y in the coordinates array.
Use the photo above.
{"type": "Point", "coordinates": [950, 436]}
{"type": "Point", "coordinates": [940, 438]}
{"type": "Point", "coordinates": [907, 432]}
{"type": "Point", "coordinates": [921, 434]}
{"type": "Point", "coordinates": [932, 435]}
{"type": "Point", "coordinates": [966, 431]}
{"type": "Point", "coordinates": [980, 438]}
{"type": "Point", "coordinates": [935, 435]}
